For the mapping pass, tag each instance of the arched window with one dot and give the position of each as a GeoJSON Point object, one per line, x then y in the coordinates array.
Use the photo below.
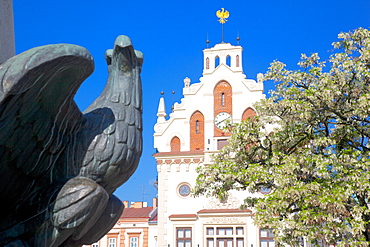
{"type": "Point", "coordinates": [237, 61]}
{"type": "Point", "coordinates": [197, 131]}
{"type": "Point", "coordinates": [228, 61]}
{"type": "Point", "coordinates": [175, 144]}
{"type": "Point", "coordinates": [249, 112]}
{"type": "Point", "coordinates": [207, 63]}
{"type": "Point", "coordinates": [222, 94]}
{"type": "Point", "coordinates": [217, 61]}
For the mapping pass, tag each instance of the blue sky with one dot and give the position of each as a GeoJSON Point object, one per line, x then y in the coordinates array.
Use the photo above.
{"type": "Point", "coordinates": [172, 35]}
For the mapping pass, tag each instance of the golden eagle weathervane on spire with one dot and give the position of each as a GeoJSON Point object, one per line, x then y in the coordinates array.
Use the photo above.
{"type": "Point", "coordinates": [223, 15]}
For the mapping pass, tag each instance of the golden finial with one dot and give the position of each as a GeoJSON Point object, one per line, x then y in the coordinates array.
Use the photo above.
{"type": "Point", "coordinates": [223, 15]}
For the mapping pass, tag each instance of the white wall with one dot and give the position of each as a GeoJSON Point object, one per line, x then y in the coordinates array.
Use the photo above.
{"type": "Point", "coordinates": [199, 96]}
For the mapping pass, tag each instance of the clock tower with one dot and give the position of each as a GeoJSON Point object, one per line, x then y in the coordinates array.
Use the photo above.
{"type": "Point", "coordinates": [188, 138]}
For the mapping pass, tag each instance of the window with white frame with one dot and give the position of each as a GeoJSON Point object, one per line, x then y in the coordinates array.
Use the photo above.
{"type": "Point", "coordinates": [112, 242]}
{"type": "Point", "coordinates": [95, 244]}
{"type": "Point", "coordinates": [134, 241]}
{"type": "Point", "coordinates": [225, 236]}
{"type": "Point", "coordinates": [210, 242]}
{"type": "Point", "coordinates": [224, 231]}
{"type": "Point", "coordinates": [224, 242]}
{"type": "Point", "coordinates": [183, 237]}
{"type": "Point", "coordinates": [267, 238]}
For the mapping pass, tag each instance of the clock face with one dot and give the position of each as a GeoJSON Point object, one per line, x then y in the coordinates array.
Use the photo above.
{"type": "Point", "coordinates": [221, 119]}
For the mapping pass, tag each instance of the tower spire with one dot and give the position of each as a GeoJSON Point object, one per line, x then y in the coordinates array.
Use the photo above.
{"type": "Point", "coordinates": [161, 114]}
{"type": "Point", "coordinates": [223, 15]}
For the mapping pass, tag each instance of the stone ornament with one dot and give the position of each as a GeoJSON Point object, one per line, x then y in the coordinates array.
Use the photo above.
{"type": "Point", "coordinates": [232, 202]}
{"type": "Point", "coordinates": [187, 82]}
{"type": "Point", "coordinates": [59, 167]}
{"type": "Point", "coordinates": [260, 78]}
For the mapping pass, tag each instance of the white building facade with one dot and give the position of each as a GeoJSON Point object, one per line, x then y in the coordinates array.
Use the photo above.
{"type": "Point", "coordinates": [187, 139]}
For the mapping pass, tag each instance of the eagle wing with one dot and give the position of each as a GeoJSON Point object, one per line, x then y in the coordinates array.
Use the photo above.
{"type": "Point", "coordinates": [219, 13]}
{"type": "Point", "coordinates": [222, 14]}
{"type": "Point", "coordinates": [38, 117]}
{"type": "Point", "coordinates": [227, 14]}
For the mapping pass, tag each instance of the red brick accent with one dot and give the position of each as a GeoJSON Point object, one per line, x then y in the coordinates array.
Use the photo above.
{"type": "Point", "coordinates": [222, 105]}
{"type": "Point", "coordinates": [122, 237]}
{"type": "Point", "coordinates": [146, 237]}
{"type": "Point", "coordinates": [177, 161]}
{"type": "Point", "coordinates": [168, 162]}
{"type": "Point", "coordinates": [197, 131]}
{"type": "Point", "coordinates": [175, 144]}
{"type": "Point", "coordinates": [196, 160]}
{"type": "Point", "coordinates": [249, 112]}
{"type": "Point", "coordinates": [187, 161]}
{"type": "Point", "coordinates": [159, 162]}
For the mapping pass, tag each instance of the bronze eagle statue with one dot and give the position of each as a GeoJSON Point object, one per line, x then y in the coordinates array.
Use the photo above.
{"type": "Point", "coordinates": [59, 167]}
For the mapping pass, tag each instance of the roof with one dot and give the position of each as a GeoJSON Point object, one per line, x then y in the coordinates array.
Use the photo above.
{"type": "Point", "coordinates": [154, 215]}
{"type": "Point", "coordinates": [155, 218]}
{"type": "Point", "coordinates": [183, 216]}
{"type": "Point", "coordinates": [205, 211]}
{"type": "Point", "coordinates": [188, 217]}
{"type": "Point", "coordinates": [136, 212]}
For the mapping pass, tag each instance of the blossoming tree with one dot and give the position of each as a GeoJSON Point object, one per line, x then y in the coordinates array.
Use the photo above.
{"type": "Point", "coordinates": [317, 161]}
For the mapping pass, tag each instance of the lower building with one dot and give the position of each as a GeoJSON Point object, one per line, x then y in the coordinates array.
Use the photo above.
{"type": "Point", "coordinates": [137, 227]}
{"type": "Point", "coordinates": [187, 221]}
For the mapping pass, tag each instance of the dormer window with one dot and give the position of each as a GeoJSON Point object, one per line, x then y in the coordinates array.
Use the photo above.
{"type": "Point", "coordinates": [217, 61]}
{"type": "Point", "coordinates": [228, 61]}
{"type": "Point", "coordinates": [197, 127]}
{"type": "Point", "coordinates": [223, 99]}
